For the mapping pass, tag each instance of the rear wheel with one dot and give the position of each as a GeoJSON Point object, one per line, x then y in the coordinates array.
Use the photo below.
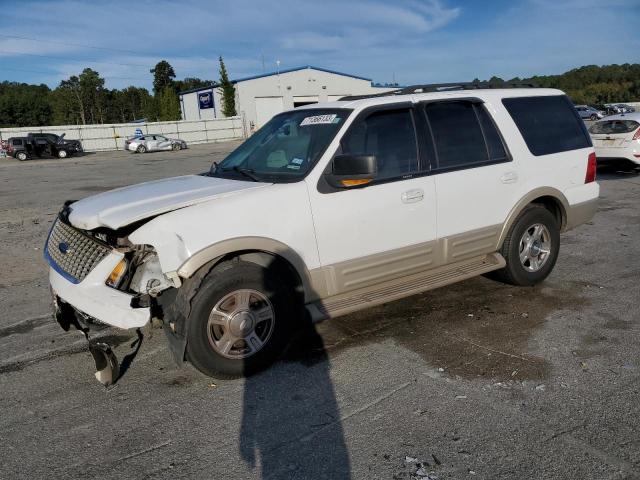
{"type": "Point", "coordinates": [594, 117]}
{"type": "Point", "coordinates": [176, 147]}
{"type": "Point", "coordinates": [22, 156]}
{"type": "Point", "coordinates": [530, 248]}
{"type": "Point", "coordinates": [141, 149]}
{"type": "Point", "coordinates": [240, 320]}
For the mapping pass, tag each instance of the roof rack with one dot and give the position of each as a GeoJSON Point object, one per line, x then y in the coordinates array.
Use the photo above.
{"type": "Point", "coordinates": [442, 87]}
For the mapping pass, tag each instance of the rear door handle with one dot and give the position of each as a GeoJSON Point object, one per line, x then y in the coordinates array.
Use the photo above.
{"type": "Point", "coordinates": [412, 196]}
{"type": "Point", "coordinates": [509, 177]}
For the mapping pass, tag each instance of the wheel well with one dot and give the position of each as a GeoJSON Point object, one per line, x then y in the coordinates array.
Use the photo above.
{"type": "Point", "coordinates": [554, 206]}
{"type": "Point", "coordinates": [273, 261]}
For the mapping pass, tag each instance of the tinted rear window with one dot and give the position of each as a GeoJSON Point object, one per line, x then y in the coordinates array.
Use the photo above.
{"type": "Point", "coordinates": [16, 142]}
{"type": "Point", "coordinates": [548, 124]}
{"type": "Point", "coordinates": [614, 126]}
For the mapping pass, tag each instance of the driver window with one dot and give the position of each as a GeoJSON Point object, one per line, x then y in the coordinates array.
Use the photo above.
{"type": "Point", "coordinates": [390, 136]}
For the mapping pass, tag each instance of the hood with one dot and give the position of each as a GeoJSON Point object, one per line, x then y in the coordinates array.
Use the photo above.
{"type": "Point", "coordinates": [118, 208]}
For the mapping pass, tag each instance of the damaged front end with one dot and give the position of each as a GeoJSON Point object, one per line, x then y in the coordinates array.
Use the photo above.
{"type": "Point", "coordinates": [99, 278]}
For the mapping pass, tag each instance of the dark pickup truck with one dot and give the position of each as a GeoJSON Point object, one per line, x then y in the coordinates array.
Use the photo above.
{"type": "Point", "coordinates": [42, 145]}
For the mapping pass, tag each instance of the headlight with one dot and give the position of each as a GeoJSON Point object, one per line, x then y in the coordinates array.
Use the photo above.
{"type": "Point", "coordinates": [115, 277]}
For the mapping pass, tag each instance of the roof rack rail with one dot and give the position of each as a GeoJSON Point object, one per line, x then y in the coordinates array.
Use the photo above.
{"type": "Point", "coordinates": [442, 87]}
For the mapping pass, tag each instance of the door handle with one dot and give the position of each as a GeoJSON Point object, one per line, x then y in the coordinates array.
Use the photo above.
{"type": "Point", "coordinates": [509, 177]}
{"type": "Point", "coordinates": [411, 196]}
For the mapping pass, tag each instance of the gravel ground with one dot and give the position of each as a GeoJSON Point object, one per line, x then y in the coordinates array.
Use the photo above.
{"type": "Point", "coordinates": [476, 380]}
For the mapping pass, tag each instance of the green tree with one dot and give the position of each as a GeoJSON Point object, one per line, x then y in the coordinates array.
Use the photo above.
{"type": "Point", "coordinates": [190, 83]}
{"type": "Point", "coordinates": [80, 99]}
{"type": "Point", "coordinates": [228, 92]}
{"type": "Point", "coordinates": [168, 105]}
{"type": "Point", "coordinates": [23, 105]}
{"type": "Point", "coordinates": [163, 75]}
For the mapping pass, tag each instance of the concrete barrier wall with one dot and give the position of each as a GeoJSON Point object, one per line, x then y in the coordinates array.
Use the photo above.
{"type": "Point", "coordinates": [97, 138]}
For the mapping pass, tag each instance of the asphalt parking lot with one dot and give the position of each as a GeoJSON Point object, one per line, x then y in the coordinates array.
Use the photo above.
{"type": "Point", "coordinates": [476, 380]}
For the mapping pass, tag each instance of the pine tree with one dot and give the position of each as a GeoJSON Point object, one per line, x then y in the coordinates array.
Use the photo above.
{"type": "Point", "coordinates": [228, 92]}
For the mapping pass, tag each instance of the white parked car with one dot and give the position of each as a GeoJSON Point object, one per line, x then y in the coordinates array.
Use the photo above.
{"type": "Point", "coordinates": [617, 139]}
{"type": "Point", "coordinates": [153, 143]}
{"type": "Point", "coordinates": [328, 209]}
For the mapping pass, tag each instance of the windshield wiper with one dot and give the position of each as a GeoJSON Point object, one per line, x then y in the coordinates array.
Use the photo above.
{"type": "Point", "coordinates": [247, 172]}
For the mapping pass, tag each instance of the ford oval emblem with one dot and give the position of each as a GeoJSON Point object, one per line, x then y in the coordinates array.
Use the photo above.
{"type": "Point", "coordinates": [63, 247]}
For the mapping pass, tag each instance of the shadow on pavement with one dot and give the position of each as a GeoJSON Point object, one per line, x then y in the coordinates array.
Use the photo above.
{"type": "Point", "coordinates": [291, 424]}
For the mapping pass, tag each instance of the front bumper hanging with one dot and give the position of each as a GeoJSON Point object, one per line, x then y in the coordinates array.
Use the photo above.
{"type": "Point", "coordinates": [108, 369]}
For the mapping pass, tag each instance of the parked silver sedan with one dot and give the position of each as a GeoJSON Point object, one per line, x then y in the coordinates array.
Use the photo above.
{"type": "Point", "coordinates": [153, 143]}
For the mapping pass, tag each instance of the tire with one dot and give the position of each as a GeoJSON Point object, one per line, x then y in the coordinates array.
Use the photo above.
{"type": "Point", "coordinates": [176, 146]}
{"type": "Point", "coordinates": [62, 154]}
{"type": "Point", "coordinates": [141, 149]}
{"type": "Point", "coordinates": [594, 117]}
{"type": "Point", "coordinates": [535, 268]}
{"type": "Point", "coordinates": [22, 156]}
{"type": "Point", "coordinates": [224, 289]}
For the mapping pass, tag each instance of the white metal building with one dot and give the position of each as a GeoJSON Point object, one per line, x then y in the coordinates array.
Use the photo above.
{"type": "Point", "coordinates": [260, 97]}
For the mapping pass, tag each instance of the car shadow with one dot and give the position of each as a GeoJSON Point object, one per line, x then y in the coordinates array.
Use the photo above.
{"type": "Point", "coordinates": [291, 425]}
{"type": "Point", "coordinates": [616, 172]}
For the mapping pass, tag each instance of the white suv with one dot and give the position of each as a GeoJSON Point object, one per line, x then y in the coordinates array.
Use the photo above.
{"type": "Point", "coordinates": [328, 209]}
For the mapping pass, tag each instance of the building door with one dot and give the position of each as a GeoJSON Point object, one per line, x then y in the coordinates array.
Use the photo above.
{"type": "Point", "coordinates": [307, 100]}
{"type": "Point", "coordinates": [266, 108]}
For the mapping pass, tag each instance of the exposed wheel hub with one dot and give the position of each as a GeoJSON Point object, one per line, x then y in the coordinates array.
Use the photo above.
{"type": "Point", "coordinates": [242, 324]}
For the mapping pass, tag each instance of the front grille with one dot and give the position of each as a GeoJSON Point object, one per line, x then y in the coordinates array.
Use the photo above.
{"type": "Point", "coordinates": [74, 252]}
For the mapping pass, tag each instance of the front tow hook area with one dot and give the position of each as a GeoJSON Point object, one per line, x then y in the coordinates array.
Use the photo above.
{"type": "Point", "coordinates": [108, 369]}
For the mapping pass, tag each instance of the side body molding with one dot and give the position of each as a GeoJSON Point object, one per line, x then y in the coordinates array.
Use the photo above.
{"type": "Point", "coordinates": [313, 281]}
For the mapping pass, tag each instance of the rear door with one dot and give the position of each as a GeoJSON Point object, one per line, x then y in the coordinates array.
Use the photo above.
{"type": "Point", "coordinates": [475, 180]}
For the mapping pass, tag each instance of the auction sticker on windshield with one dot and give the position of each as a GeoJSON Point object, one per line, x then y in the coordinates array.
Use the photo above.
{"type": "Point", "coordinates": [319, 120]}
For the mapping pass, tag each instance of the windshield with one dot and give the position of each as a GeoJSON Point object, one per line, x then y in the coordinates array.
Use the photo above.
{"type": "Point", "coordinates": [614, 126]}
{"type": "Point", "coordinates": [285, 149]}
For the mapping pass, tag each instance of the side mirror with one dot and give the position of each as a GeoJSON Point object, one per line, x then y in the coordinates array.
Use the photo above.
{"type": "Point", "coordinates": [349, 171]}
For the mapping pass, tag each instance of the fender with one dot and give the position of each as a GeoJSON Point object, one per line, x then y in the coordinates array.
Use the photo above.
{"type": "Point", "coordinates": [313, 281]}
{"type": "Point", "coordinates": [548, 192]}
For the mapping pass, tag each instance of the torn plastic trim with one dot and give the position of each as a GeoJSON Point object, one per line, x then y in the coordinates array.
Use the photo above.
{"type": "Point", "coordinates": [108, 369]}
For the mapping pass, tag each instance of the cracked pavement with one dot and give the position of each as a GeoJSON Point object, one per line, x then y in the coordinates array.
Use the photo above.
{"type": "Point", "coordinates": [475, 380]}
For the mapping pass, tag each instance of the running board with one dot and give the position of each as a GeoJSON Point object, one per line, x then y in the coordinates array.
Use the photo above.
{"type": "Point", "coordinates": [403, 287]}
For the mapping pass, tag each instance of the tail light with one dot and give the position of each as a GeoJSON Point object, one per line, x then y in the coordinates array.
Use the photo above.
{"type": "Point", "coordinates": [637, 135]}
{"type": "Point", "coordinates": [591, 169]}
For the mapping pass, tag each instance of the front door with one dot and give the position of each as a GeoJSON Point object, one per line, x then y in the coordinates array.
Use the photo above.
{"type": "Point", "coordinates": [386, 229]}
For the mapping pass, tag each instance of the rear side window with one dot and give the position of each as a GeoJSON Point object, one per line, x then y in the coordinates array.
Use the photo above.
{"type": "Point", "coordinates": [548, 124]}
{"type": "Point", "coordinates": [464, 135]}
{"type": "Point", "coordinates": [16, 142]}
{"type": "Point", "coordinates": [610, 127]}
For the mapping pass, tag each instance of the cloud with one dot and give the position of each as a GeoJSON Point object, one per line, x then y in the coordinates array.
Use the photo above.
{"type": "Point", "coordinates": [413, 41]}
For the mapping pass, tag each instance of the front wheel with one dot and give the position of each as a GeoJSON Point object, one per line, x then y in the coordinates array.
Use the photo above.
{"type": "Point", "coordinates": [240, 320]}
{"type": "Point", "coordinates": [531, 248]}
{"type": "Point", "coordinates": [594, 117]}
{"type": "Point", "coordinates": [176, 147]}
{"type": "Point", "coordinates": [62, 154]}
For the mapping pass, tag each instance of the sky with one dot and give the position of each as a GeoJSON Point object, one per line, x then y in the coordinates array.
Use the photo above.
{"type": "Point", "coordinates": [406, 41]}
